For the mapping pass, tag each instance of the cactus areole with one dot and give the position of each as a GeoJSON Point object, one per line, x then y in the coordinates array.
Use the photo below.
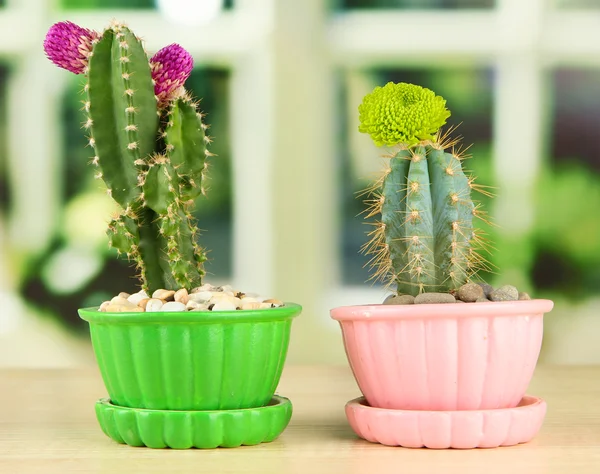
{"type": "Point", "coordinates": [424, 240]}
{"type": "Point", "coordinates": [149, 146]}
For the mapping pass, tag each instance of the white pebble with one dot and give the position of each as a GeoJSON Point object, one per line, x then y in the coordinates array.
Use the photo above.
{"type": "Point", "coordinates": [200, 297]}
{"type": "Point", "coordinates": [227, 288]}
{"type": "Point", "coordinates": [164, 295]}
{"type": "Point", "coordinates": [121, 308]}
{"type": "Point", "coordinates": [104, 305]}
{"type": "Point", "coordinates": [181, 296]}
{"type": "Point", "coordinates": [119, 300]}
{"type": "Point", "coordinates": [154, 305]}
{"type": "Point", "coordinates": [137, 297]}
{"type": "Point", "coordinates": [124, 295]}
{"type": "Point", "coordinates": [224, 306]}
{"type": "Point", "coordinates": [251, 305]}
{"type": "Point", "coordinates": [192, 305]}
{"type": "Point", "coordinates": [205, 287]}
{"type": "Point", "coordinates": [173, 306]}
{"type": "Point", "coordinates": [249, 299]}
{"type": "Point", "coordinates": [265, 305]}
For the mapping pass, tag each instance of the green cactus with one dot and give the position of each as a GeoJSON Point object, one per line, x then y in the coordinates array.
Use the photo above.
{"type": "Point", "coordinates": [150, 147]}
{"type": "Point", "coordinates": [425, 240]}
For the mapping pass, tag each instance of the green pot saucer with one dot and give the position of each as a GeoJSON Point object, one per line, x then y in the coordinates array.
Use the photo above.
{"type": "Point", "coordinates": [194, 429]}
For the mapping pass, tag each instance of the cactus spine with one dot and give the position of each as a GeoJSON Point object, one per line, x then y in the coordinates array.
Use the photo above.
{"type": "Point", "coordinates": [149, 143]}
{"type": "Point", "coordinates": [425, 240]}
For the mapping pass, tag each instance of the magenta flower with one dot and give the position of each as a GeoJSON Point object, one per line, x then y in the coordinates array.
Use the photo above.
{"type": "Point", "coordinates": [69, 46]}
{"type": "Point", "coordinates": [171, 66]}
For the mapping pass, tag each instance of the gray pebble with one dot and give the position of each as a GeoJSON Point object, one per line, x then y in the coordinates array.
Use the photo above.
{"type": "Point", "coordinates": [505, 293]}
{"type": "Point", "coordinates": [399, 299]}
{"type": "Point", "coordinates": [482, 300]}
{"type": "Point", "coordinates": [460, 301]}
{"type": "Point", "coordinates": [470, 292]}
{"type": "Point", "coordinates": [487, 289]}
{"type": "Point", "coordinates": [434, 298]}
{"type": "Point", "coordinates": [524, 296]}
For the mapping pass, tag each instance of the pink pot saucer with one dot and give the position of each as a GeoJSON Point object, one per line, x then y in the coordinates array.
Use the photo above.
{"type": "Point", "coordinates": [447, 429]}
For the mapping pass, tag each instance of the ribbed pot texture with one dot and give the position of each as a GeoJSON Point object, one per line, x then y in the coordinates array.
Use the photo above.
{"type": "Point", "coordinates": [191, 360]}
{"type": "Point", "coordinates": [443, 356]}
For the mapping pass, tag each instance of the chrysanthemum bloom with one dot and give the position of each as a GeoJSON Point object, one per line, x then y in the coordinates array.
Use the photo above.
{"type": "Point", "coordinates": [171, 66]}
{"type": "Point", "coordinates": [69, 46]}
{"type": "Point", "coordinates": [401, 113]}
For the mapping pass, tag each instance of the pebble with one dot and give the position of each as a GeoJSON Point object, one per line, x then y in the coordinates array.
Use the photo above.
{"type": "Point", "coordinates": [487, 289]}
{"type": "Point", "coordinates": [181, 296]}
{"type": "Point", "coordinates": [483, 299]}
{"type": "Point", "coordinates": [399, 299]}
{"type": "Point", "coordinates": [505, 293]}
{"type": "Point", "coordinates": [173, 306]}
{"type": "Point", "coordinates": [524, 296]}
{"type": "Point", "coordinates": [200, 297]}
{"type": "Point", "coordinates": [154, 305]}
{"type": "Point", "coordinates": [121, 308]}
{"type": "Point", "coordinates": [104, 305]}
{"type": "Point", "coordinates": [142, 303]}
{"type": "Point", "coordinates": [274, 302]}
{"type": "Point", "coordinates": [265, 305]}
{"type": "Point", "coordinates": [121, 301]}
{"type": "Point", "coordinates": [124, 295]}
{"type": "Point", "coordinates": [165, 295]}
{"type": "Point", "coordinates": [434, 298]}
{"type": "Point", "coordinates": [249, 299]}
{"type": "Point", "coordinates": [470, 292]}
{"type": "Point", "coordinates": [137, 297]}
{"type": "Point", "coordinates": [191, 305]}
{"type": "Point", "coordinates": [250, 305]}
{"type": "Point", "coordinates": [224, 306]}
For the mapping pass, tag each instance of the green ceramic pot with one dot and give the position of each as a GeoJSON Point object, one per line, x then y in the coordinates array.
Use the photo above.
{"type": "Point", "coordinates": [191, 360]}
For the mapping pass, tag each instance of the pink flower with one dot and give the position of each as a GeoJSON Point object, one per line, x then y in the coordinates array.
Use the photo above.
{"type": "Point", "coordinates": [69, 46]}
{"type": "Point", "coordinates": [171, 66]}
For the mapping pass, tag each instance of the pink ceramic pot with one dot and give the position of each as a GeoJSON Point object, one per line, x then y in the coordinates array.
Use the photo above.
{"type": "Point", "coordinates": [470, 356]}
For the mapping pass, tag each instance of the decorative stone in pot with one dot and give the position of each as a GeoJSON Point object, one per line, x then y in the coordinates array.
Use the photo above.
{"type": "Point", "coordinates": [435, 373]}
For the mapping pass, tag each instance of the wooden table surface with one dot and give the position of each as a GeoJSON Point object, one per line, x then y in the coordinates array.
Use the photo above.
{"type": "Point", "coordinates": [47, 425]}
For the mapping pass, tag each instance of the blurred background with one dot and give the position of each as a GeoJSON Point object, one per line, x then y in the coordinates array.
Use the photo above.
{"type": "Point", "coordinates": [281, 81]}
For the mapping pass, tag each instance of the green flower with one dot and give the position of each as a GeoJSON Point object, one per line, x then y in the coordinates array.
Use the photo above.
{"type": "Point", "coordinates": [401, 113]}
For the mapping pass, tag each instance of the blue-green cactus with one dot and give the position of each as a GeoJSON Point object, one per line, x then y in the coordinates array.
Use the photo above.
{"type": "Point", "coordinates": [425, 240]}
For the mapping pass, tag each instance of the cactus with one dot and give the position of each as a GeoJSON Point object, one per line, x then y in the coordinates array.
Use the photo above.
{"type": "Point", "coordinates": [425, 240]}
{"type": "Point", "coordinates": [150, 146]}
